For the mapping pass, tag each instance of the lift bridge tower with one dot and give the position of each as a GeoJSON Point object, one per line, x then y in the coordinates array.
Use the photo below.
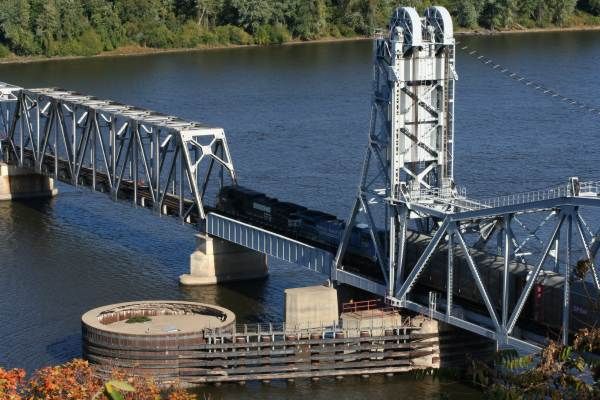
{"type": "Point", "coordinates": [411, 133]}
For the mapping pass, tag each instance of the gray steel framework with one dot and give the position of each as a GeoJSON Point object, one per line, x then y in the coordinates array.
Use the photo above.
{"type": "Point", "coordinates": [412, 131]}
{"type": "Point", "coordinates": [564, 211]}
{"type": "Point", "coordinates": [407, 186]}
{"type": "Point", "coordinates": [270, 243]}
{"type": "Point", "coordinates": [154, 160]}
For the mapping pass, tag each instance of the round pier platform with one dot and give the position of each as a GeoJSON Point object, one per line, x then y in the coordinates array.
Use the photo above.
{"type": "Point", "coordinates": [148, 337]}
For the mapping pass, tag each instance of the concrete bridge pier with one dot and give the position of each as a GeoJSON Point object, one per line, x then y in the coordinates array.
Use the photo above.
{"type": "Point", "coordinates": [216, 261]}
{"type": "Point", "coordinates": [23, 183]}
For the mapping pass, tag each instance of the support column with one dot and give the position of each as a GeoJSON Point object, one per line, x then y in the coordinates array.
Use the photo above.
{"type": "Point", "coordinates": [23, 183]}
{"type": "Point", "coordinates": [428, 354]}
{"type": "Point", "coordinates": [310, 307]}
{"type": "Point", "coordinates": [216, 260]}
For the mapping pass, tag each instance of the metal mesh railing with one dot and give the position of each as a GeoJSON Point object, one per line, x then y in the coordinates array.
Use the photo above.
{"type": "Point", "coordinates": [460, 200]}
{"type": "Point", "coordinates": [353, 327]}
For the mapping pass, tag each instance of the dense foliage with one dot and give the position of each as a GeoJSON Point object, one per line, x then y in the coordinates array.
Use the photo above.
{"type": "Point", "coordinates": [558, 372]}
{"type": "Point", "coordinates": [86, 27]}
{"type": "Point", "coordinates": [77, 380]}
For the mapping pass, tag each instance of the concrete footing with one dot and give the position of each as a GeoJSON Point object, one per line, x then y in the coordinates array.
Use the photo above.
{"type": "Point", "coordinates": [428, 326]}
{"type": "Point", "coordinates": [310, 307]}
{"type": "Point", "coordinates": [216, 261]}
{"type": "Point", "coordinates": [22, 183]}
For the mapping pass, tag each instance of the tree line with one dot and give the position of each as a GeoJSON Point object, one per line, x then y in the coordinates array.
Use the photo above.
{"type": "Point", "coordinates": [87, 27]}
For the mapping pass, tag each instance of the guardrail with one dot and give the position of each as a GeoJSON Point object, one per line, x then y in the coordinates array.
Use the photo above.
{"type": "Point", "coordinates": [459, 199]}
{"type": "Point", "coordinates": [282, 331]}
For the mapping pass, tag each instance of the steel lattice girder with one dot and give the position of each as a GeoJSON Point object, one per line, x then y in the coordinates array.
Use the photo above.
{"type": "Point", "coordinates": [153, 159]}
{"type": "Point", "coordinates": [567, 216]}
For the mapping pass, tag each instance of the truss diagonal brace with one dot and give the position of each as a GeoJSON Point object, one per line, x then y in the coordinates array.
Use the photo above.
{"type": "Point", "coordinates": [422, 262]}
{"type": "Point", "coordinates": [533, 276]}
{"type": "Point", "coordinates": [477, 277]}
{"type": "Point", "coordinates": [588, 253]}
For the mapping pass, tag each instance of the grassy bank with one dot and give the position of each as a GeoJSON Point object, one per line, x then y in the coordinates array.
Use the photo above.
{"type": "Point", "coordinates": [133, 50]}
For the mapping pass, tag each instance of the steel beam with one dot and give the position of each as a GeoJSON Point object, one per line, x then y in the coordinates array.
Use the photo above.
{"type": "Point", "coordinates": [532, 277]}
{"type": "Point", "coordinates": [422, 262]}
{"type": "Point", "coordinates": [269, 243]}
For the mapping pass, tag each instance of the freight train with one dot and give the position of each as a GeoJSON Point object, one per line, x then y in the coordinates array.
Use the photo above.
{"type": "Point", "coordinates": [293, 220]}
{"type": "Point", "coordinates": [542, 312]}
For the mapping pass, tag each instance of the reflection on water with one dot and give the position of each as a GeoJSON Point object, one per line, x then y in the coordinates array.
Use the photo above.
{"type": "Point", "coordinates": [296, 119]}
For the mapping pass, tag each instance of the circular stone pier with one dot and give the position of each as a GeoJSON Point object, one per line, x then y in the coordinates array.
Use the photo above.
{"type": "Point", "coordinates": [149, 337]}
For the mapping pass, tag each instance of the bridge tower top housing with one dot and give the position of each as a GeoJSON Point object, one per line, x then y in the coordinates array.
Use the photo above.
{"type": "Point", "coordinates": [414, 93]}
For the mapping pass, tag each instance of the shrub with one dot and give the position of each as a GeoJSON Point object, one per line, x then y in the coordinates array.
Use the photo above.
{"type": "Point", "coordinates": [334, 31]}
{"type": "Point", "coordinates": [346, 31]}
{"type": "Point", "coordinates": [78, 380]}
{"type": "Point", "coordinates": [280, 34]}
{"type": "Point", "coordinates": [466, 14]}
{"type": "Point", "coordinates": [158, 36]}
{"type": "Point", "coordinates": [239, 36]}
{"type": "Point", "coordinates": [209, 38]}
{"type": "Point", "coordinates": [222, 34]}
{"type": "Point", "coordinates": [4, 52]}
{"type": "Point", "coordinates": [262, 35]}
{"type": "Point", "coordinates": [190, 35]}
{"type": "Point", "coordinates": [69, 47]}
{"type": "Point", "coordinates": [90, 43]}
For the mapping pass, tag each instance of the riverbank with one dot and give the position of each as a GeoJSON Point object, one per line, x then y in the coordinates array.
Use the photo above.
{"type": "Point", "coordinates": [135, 50]}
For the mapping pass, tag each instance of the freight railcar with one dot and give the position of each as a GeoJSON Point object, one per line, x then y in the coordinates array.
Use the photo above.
{"type": "Point", "coordinates": [543, 310]}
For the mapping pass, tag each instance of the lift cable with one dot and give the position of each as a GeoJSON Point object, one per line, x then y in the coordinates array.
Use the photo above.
{"type": "Point", "coordinates": [530, 83]}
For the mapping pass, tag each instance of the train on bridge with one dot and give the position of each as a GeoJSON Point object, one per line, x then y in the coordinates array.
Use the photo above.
{"type": "Point", "coordinates": [325, 231]}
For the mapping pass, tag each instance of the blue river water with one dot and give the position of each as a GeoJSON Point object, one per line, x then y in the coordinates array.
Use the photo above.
{"type": "Point", "coordinates": [296, 118]}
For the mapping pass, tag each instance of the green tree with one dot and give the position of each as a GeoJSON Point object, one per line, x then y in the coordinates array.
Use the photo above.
{"type": "Point", "coordinates": [591, 6]}
{"type": "Point", "coordinates": [186, 9]}
{"type": "Point", "coordinates": [466, 13]}
{"type": "Point", "coordinates": [491, 16]}
{"type": "Point", "coordinates": [208, 11]}
{"type": "Point", "coordinates": [509, 12]}
{"type": "Point", "coordinates": [84, 26]}
{"type": "Point", "coordinates": [309, 19]}
{"type": "Point", "coordinates": [105, 21]}
{"type": "Point", "coordinates": [47, 27]}
{"type": "Point", "coordinates": [249, 14]}
{"type": "Point", "coordinates": [15, 27]}
{"type": "Point", "coordinates": [535, 10]}
{"type": "Point", "coordinates": [73, 22]}
{"type": "Point", "coordinates": [561, 10]}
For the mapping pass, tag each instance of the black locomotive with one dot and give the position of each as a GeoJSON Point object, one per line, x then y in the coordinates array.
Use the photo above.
{"type": "Point", "coordinates": [293, 220]}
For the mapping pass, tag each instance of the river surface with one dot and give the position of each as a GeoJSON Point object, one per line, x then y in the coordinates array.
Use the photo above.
{"type": "Point", "coordinates": [296, 119]}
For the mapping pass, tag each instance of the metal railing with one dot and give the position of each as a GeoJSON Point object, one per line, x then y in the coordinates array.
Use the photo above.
{"type": "Point", "coordinates": [460, 200]}
{"type": "Point", "coordinates": [283, 331]}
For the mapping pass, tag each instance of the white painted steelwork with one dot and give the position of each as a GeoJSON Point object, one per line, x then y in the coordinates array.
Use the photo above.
{"type": "Point", "coordinates": [412, 130]}
{"type": "Point", "coordinates": [407, 183]}
{"type": "Point", "coordinates": [153, 159]}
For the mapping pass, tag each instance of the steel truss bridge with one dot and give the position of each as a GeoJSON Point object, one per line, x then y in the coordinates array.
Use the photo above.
{"type": "Point", "coordinates": [407, 196]}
